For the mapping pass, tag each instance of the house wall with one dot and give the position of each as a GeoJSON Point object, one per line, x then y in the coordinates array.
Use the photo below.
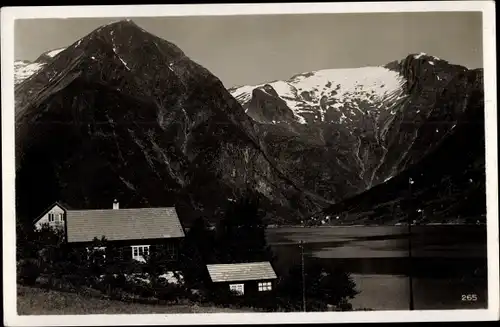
{"type": "Point", "coordinates": [124, 248]}
{"type": "Point", "coordinates": [250, 287]}
{"type": "Point", "coordinates": [58, 213]}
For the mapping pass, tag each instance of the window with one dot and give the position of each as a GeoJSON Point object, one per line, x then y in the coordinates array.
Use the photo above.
{"type": "Point", "coordinates": [171, 250]}
{"type": "Point", "coordinates": [139, 252]}
{"type": "Point", "coordinates": [51, 217]}
{"type": "Point", "coordinates": [238, 288]}
{"type": "Point", "coordinates": [265, 286]}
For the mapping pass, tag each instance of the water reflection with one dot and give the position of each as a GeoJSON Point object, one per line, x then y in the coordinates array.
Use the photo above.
{"type": "Point", "coordinates": [447, 262]}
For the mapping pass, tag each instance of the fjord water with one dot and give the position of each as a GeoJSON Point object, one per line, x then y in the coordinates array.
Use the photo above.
{"type": "Point", "coordinates": [448, 262]}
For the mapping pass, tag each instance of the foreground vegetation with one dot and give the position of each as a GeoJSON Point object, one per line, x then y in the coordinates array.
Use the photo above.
{"type": "Point", "coordinates": [38, 301]}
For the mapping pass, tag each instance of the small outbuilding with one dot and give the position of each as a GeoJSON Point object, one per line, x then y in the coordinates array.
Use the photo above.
{"type": "Point", "coordinates": [243, 278]}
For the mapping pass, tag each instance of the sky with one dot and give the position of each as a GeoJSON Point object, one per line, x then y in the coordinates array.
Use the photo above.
{"type": "Point", "coordinates": [251, 49]}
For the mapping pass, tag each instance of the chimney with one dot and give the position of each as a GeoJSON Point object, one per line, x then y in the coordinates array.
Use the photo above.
{"type": "Point", "coordinates": [116, 205]}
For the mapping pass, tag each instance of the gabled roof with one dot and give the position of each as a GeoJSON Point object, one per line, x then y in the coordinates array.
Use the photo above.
{"type": "Point", "coordinates": [63, 205]}
{"type": "Point", "coordinates": [233, 272]}
{"type": "Point", "coordinates": [122, 224]}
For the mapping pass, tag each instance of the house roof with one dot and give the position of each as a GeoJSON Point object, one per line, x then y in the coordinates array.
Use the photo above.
{"type": "Point", "coordinates": [64, 206]}
{"type": "Point", "coordinates": [123, 224]}
{"type": "Point", "coordinates": [241, 271]}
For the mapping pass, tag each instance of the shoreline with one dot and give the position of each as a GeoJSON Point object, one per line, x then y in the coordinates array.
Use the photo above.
{"type": "Point", "coordinates": [389, 225]}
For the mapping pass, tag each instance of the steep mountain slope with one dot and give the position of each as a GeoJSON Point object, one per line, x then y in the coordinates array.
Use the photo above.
{"type": "Point", "coordinates": [24, 69]}
{"type": "Point", "coordinates": [447, 186]}
{"type": "Point", "coordinates": [342, 132]}
{"type": "Point", "coordinates": [124, 114]}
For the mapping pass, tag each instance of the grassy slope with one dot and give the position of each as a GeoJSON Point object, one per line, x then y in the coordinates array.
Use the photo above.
{"type": "Point", "coordinates": [35, 301]}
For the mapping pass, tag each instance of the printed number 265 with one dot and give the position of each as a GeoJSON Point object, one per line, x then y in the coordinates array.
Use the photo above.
{"type": "Point", "coordinates": [469, 297]}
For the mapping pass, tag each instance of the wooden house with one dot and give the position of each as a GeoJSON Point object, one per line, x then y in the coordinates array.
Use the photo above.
{"type": "Point", "coordinates": [243, 278]}
{"type": "Point", "coordinates": [54, 216]}
{"type": "Point", "coordinates": [134, 232]}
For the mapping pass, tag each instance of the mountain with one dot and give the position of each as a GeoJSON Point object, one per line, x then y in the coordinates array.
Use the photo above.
{"type": "Point", "coordinates": [124, 114]}
{"type": "Point", "coordinates": [332, 96]}
{"type": "Point", "coordinates": [343, 132]}
{"type": "Point", "coordinates": [447, 186]}
{"type": "Point", "coordinates": [24, 68]}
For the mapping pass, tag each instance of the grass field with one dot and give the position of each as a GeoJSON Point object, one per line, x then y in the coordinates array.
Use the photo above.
{"type": "Point", "coordinates": [36, 301]}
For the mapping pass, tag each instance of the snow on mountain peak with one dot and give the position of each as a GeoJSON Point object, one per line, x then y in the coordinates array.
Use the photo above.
{"type": "Point", "coordinates": [23, 70]}
{"type": "Point", "coordinates": [55, 52]}
{"type": "Point", "coordinates": [306, 93]}
{"type": "Point", "coordinates": [423, 54]}
{"type": "Point", "coordinates": [420, 55]}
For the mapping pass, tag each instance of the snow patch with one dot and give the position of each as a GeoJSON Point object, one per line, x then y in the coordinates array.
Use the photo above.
{"type": "Point", "coordinates": [123, 61]}
{"type": "Point", "coordinates": [55, 52]}
{"type": "Point", "coordinates": [420, 55]}
{"type": "Point", "coordinates": [431, 62]}
{"type": "Point", "coordinates": [23, 70]}
{"type": "Point", "coordinates": [243, 93]}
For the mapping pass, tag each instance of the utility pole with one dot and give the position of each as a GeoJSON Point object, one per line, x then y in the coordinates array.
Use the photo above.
{"type": "Point", "coordinates": [410, 222]}
{"type": "Point", "coordinates": [303, 275]}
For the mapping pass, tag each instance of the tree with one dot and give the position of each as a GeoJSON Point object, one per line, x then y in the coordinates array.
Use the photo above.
{"type": "Point", "coordinates": [96, 257]}
{"type": "Point", "coordinates": [325, 285]}
{"type": "Point", "coordinates": [196, 252]}
{"type": "Point", "coordinates": [44, 251]}
{"type": "Point", "coordinates": [158, 261]}
{"type": "Point", "coordinates": [241, 233]}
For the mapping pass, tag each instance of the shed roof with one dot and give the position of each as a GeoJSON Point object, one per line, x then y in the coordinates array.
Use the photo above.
{"type": "Point", "coordinates": [241, 271]}
{"type": "Point", "coordinates": [123, 224]}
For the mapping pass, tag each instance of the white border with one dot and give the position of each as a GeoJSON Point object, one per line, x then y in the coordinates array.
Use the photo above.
{"type": "Point", "coordinates": [8, 15]}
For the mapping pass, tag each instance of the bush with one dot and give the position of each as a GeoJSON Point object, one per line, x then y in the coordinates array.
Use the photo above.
{"type": "Point", "coordinates": [169, 291]}
{"type": "Point", "coordinates": [28, 271]}
{"type": "Point", "coordinates": [139, 285]}
{"type": "Point", "coordinates": [225, 297]}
